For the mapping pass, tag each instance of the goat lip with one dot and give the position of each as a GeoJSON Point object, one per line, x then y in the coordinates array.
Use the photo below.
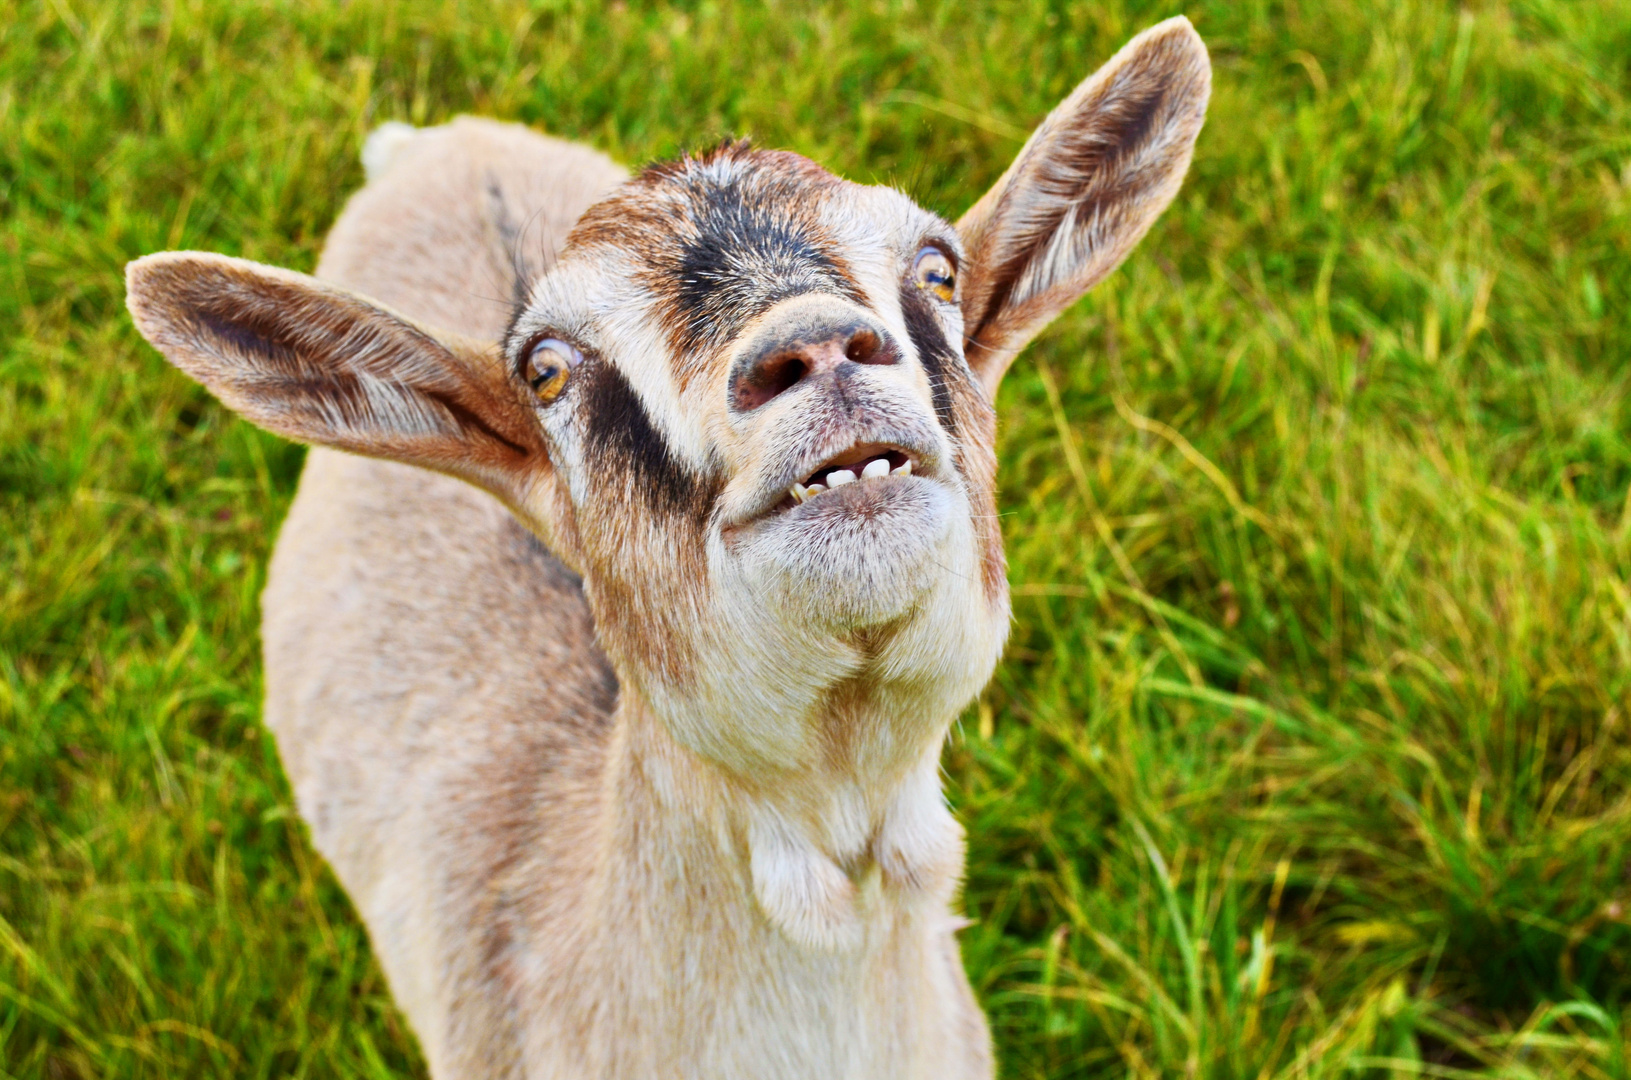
{"type": "Point", "coordinates": [777, 500]}
{"type": "Point", "coordinates": [860, 454]}
{"type": "Point", "coordinates": [830, 504]}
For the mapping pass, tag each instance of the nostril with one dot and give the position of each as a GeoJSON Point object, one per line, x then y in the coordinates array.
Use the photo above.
{"type": "Point", "coordinates": [861, 346]}
{"type": "Point", "coordinates": [782, 374]}
{"type": "Point", "coordinates": [867, 347]}
{"type": "Point", "coordinates": [769, 378]}
{"type": "Point", "coordinates": [778, 363]}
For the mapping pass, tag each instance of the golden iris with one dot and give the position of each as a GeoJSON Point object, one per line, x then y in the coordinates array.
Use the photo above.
{"type": "Point", "coordinates": [549, 367]}
{"type": "Point", "coordinates": [934, 273]}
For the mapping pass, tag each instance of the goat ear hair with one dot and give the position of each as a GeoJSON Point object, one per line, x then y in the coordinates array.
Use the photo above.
{"type": "Point", "coordinates": [315, 363]}
{"type": "Point", "coordinates": [1084, 189]}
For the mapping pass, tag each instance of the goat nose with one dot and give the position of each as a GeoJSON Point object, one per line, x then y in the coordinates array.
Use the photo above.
{"type": "Point", "coordinates": [781, 363]}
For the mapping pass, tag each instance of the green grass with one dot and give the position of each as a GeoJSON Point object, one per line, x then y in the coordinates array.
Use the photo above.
{"type": "Point", "coordinates": [1310, 755]}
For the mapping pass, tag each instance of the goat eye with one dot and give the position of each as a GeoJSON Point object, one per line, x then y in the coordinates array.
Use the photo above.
{"type": "Point", "coordinates": [549, 367]}
{"type": "Point", "coordinates": [935, 274]}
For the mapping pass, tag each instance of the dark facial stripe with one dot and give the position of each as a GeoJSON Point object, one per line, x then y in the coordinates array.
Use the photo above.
{"type": "Point", "coordinates": [619, 439]}
{"type": "Point", "coordinates": [751, 249]}
{"type": "Point", "coordinates": [940, 362]}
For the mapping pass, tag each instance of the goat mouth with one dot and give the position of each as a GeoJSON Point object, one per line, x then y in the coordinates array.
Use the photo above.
{"type": "Point", "coordinates": [858, 464]}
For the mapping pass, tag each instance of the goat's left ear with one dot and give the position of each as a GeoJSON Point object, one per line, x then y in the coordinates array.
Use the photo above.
{"type": "Point", "coordinates": [313, 362]}
{"type": "Point", "coordinates": [1086, 186]}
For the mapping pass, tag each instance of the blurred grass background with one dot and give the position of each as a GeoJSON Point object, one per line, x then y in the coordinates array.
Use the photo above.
{"type": "Point", "coordinates": [1310, 754]}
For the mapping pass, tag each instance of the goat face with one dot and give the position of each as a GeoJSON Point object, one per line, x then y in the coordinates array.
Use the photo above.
{"type": "Point", "coordinates": [733, 330]}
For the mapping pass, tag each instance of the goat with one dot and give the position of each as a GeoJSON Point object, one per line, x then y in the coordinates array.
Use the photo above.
{"type": "Point", "coordinates": [610, 649]}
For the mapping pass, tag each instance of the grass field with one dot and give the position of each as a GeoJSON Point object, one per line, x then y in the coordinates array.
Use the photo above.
{"type": "Point", "coordinates": [1310, 755]}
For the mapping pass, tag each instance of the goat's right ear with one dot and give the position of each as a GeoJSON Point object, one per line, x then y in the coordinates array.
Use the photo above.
{"type": "Point", "coordinates": [1086, 186]}
{"type": "Point", "coordinates": [317, 364]}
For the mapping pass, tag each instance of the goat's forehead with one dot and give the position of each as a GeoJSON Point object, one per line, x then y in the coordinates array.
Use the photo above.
{"type": "Point", "coordinates": [769, 204]}
{"type": "Point", "coordinates": [700, 246]}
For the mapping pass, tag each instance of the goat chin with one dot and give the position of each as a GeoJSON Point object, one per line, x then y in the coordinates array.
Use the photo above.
{"type": "Point", "coordinates": [848, 561]}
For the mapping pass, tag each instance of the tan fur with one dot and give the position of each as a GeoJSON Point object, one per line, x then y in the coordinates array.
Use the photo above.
{"type": "Point", "coordinates": [680, 816]}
